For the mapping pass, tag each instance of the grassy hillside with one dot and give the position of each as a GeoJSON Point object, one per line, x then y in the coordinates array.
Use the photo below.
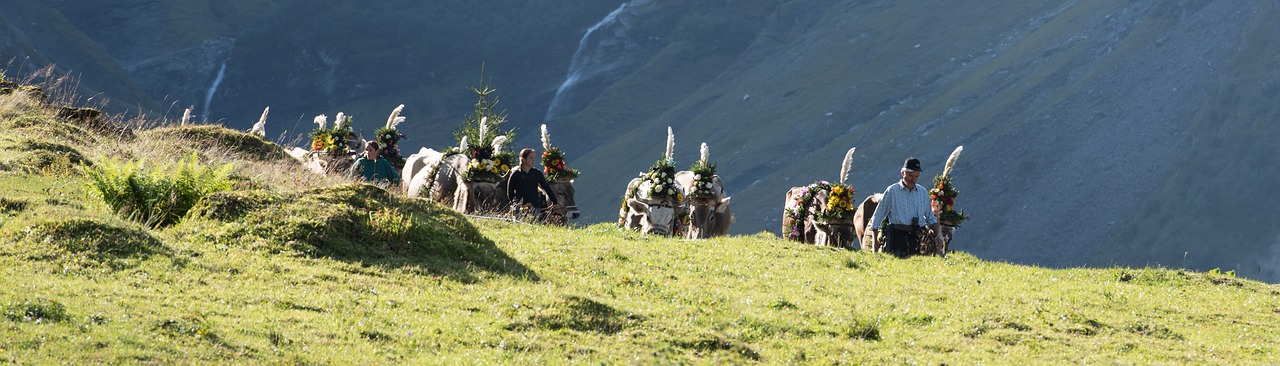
{"type": "Point", "coordinates": [292, 268]}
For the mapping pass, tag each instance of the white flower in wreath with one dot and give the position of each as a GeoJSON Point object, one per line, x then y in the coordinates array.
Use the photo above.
{"type": "Point", "coordinates": [697, 177]}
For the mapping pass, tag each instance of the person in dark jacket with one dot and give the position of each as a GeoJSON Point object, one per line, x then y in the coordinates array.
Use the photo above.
{"type": "Point", "coordinates": [372, 169]}
{"type": "Point", "coordinates": [524, 182]}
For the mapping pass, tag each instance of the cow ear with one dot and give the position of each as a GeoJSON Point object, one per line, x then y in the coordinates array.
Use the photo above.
{"type": "Point", "coordinates": [637, 206]}
{"type": "Point", "coordinates": [724, 205]}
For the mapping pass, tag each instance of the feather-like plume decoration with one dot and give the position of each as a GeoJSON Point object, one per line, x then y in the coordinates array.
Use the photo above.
{"type": "Point", "coordinates": [323, 120]}
{"type": "Point", "coordinates": [186, 116]}
{"type": "Point", "coordinates": [705, 153]}
{"type": "Point", "coordinates": [397, 121]}
{"type": "Point", "coordinates": [951, 161]}
{"type": "Point", "coordinates": [340, 120]}
{"type": "Point", "coordinates": [484, 128]}
{"type": "Point", "coordinates": [260, 128]}
{"type": "Point", "coordinates": [395, 113]}
{"type": "Point", "coordinates": [498, 142]}
{"type": "Point", "coordinates": [463, 146]}
{"type": "Point", "coordinates": [844, 167]}
{"type": "Point", "coordinates": [546, 138]}
{"type": "Point", "coordinates": [671, 144]}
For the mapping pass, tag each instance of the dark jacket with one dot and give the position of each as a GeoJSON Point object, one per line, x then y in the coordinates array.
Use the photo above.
{"type": "Point", "coordinates": [375, 171]}
{"type": "Point", "coordinates": [523, 187]}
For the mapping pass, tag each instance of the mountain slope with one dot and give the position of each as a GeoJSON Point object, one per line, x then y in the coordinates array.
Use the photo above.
{"type": "Point", "coordinates": [296, 268]}
{"type": "Point", "coordinates": [1096, 132]}
{"type": "Point", "coordinates": [1076, 118]}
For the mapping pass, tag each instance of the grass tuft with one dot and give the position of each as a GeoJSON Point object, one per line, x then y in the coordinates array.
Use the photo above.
{"type": "Point", "coordinates": [864, 329]}
{"type": "Point", "coordinates": [36, 311]}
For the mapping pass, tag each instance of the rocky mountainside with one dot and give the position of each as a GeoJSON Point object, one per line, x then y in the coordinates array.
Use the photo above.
{"type": "Point", "coordinates": [1095, 132]}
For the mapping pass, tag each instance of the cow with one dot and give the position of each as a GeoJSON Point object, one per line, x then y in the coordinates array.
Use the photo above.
{"type": "Point", "coordinates": [650, 215]}
{"type": "Point", "coordinates": [320, 163]}
{"type": "Point", "coordinates": [438, 178]}
{"type": "Point", "coordinates": [417, 163]}
{"type": "Point", "coordinates": [478, 197]}
{"type": "Point", "coordinates": [862, 220]}
{"type": "Point", "coordinates": [812, 226]}
{"type": "Point", "coordinates": [708, 216]}
{"type": "Point", "coordinates": [567, 209]}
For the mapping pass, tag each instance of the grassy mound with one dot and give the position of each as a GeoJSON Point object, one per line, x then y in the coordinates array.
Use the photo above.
{"type": "Point", "coordinates": [354, 222]}
{"type": "Point", "coordinates": [207, 137]}
{"type": "Point", "coordinates": [81, 243]}
{"type": "Point", "coordinates": [32, 156]}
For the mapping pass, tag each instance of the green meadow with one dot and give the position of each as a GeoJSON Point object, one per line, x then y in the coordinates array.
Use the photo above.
{"type": "Point", "coordinates": [270, 264]}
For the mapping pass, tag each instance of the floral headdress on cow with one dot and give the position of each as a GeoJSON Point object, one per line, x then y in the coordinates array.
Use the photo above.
{"type": "Point", "coordinates": [944, 195]}
{"type": "Point", "coordinates": [488, 162]}
{"type": "Point", "coordinates": [389, 137]}
{"type": "Point", "coordinates": [704, 174]}
{"type": "Point", "coordinates": [662, 175]}
{"type": "Point", "coordinates": [840, 199]}
{"type": "Point", "coordinates": [553, 161]}
{"type": "Point", "coordinates": [332, 141]}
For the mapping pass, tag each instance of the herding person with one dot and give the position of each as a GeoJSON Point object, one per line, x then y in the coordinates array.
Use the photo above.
{"type": "Point", "coordinates": [911, 218]}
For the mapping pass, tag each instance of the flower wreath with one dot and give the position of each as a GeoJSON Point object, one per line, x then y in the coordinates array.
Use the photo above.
{"type": "Point", "coordinates": [704, 175]}
{"type": "Point", "coordinates": [332, 141]}
{"type": "Point", "coordinates": [839, 203]}
{"type": "Point", "coordinates": [554, 168]}
{"type": "Point", "coordinates": [390, 138]}
{"type": "Point", "coordinates": [485, 166]}
{"type": "Point", "coordinates": [801, 211]}
{"type": "Point", "coordinates": [662, 181]}
{"type": "Point", "coordinates": [944, 198]}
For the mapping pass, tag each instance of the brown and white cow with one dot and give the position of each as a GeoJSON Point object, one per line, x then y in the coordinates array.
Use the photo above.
{"type": "Point", "coordinates": [708, 216]}
{"type": "Point", "coordinates": [566, 207]}
{"type": "Point", "coordinates": [650, 215]}
{"type": "Point", "coordinates": [812, 228]}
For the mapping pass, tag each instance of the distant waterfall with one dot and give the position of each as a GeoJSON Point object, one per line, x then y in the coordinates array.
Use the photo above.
{"type": "Point", "coordinates": [208, 96]}
{"type": "Point", "coordinates": [604, 48]}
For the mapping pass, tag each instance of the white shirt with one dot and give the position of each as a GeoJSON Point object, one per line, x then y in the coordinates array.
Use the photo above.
{"type": "Point", "coordinates": [901, 205]}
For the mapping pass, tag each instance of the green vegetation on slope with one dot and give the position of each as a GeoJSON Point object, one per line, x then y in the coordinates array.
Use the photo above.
{"type": "Point", "coordinates": [300, 269]}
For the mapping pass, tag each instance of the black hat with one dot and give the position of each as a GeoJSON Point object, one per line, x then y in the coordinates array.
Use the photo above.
{"type": "Point", "coordinates": [912, 164]}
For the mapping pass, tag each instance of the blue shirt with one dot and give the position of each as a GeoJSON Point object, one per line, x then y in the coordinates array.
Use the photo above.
{"type": "Point", "coordinates": [374, 170]}
{"type": "Point", "coordinates": [901, 205]}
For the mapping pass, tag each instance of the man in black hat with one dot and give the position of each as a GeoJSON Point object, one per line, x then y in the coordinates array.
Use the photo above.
{"type": "Point", "coordinates": [906, 205]}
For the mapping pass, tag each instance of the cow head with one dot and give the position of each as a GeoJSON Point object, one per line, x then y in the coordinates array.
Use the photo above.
{"type": "Point", "coordinates": [567, 208]}
{"type": "Point", "coordinates": [708, 217]}
{"type": "Point", "coordinates": [839, 234]}
{"type": "Point", "coordinates": [655, 218]}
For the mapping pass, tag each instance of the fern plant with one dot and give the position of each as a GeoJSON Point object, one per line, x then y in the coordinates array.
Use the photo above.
{"type": "Point", "coordinates": [157, 197]}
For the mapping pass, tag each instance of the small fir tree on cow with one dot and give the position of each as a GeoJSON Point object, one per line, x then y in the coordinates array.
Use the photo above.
{"type": "Point", "coordinates": [389, 138]}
